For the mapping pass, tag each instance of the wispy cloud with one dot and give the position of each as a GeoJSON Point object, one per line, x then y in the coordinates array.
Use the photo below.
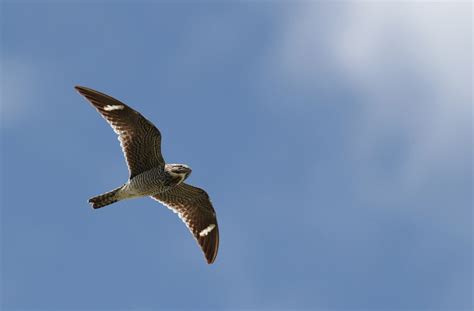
{"type": "Point", "coordinates": [410, 65]}
{"type": "Point", "coordinates": [413, 63]}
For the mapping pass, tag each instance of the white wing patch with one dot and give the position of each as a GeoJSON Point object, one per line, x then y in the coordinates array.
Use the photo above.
{"type": "Point", "coordinates": [207, 230]}
{"type": "Point", "coordinates": [113, 107]}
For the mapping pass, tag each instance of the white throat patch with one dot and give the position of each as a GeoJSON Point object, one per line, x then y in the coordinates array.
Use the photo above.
{"type": "Point", "coordinates": [207, 230]}
{"type": "Point", "coordinates": [181, 176]}
{"type": "Point", "coordinates": [113, 107]}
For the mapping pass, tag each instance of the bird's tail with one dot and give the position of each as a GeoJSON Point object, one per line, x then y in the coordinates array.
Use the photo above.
{"type": "Point", "coordinates": [105, 199]}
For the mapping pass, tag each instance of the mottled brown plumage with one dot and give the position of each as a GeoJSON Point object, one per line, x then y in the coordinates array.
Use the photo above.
{"type": "Point", "coordinates": [149, 176]}
{"type": "Point", "coordinates": [139, 138]}
{"type": "Point", "coordinates": [195, 209]}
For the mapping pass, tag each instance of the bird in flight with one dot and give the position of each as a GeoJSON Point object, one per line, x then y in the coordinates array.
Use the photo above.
{"type": "Point", "coordinates": [151, 176]}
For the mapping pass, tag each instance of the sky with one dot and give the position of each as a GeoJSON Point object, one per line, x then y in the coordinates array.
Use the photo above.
{"type": "Point", "coordinates": [334, 138]}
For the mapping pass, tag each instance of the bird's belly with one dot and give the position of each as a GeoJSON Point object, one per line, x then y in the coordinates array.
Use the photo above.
{"type": "Point", "coordinates": [145, 184]}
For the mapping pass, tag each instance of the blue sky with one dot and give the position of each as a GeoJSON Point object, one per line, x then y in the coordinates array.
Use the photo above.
{"type": "Point", "coordinates": [335, 141]}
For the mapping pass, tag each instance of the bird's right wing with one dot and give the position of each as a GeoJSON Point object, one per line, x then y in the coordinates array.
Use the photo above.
{"type": "Point", "coordinates": [139, 138]}
{"type": "Point", "coordinates": [194, 207]}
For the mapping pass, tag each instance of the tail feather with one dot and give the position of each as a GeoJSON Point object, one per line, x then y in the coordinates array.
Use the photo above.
{"type": "Point", "coordinates": [105, 199]}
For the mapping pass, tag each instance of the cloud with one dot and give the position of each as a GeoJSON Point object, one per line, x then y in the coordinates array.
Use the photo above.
{"type": "Point", "coordinates": [413, 63]}
{"type": "Point", "coordinates": [408, 64]}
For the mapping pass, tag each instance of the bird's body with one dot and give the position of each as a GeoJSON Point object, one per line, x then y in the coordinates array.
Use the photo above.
{"type": "Point", "coordinates": [150, 176]}
{"type": "Point", "coordinates": [151, 182]}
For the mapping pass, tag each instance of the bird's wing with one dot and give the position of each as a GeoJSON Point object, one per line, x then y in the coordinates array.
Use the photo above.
{"type": "Point", "coordinates": [139, 138]}
{"type": "Point", "coordinates": [194, 207]}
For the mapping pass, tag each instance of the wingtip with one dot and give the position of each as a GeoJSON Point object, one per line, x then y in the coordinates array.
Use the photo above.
{"type": "Point", "coordinates": [211, 257]}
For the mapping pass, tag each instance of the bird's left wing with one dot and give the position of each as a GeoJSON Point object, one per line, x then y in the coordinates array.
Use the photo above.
{"type": "Point", "coordinates": [194, 207]}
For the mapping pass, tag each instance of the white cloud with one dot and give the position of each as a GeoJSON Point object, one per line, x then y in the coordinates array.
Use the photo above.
{"type": "Point", "coordinates": [410, 63]}
{"type": "Point", "coordinates": [429, 45]}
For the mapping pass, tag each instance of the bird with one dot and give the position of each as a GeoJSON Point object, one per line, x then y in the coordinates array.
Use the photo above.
{"type": "Point", "coordinates": [150, 176]}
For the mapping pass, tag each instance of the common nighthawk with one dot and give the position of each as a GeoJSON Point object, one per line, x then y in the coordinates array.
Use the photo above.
{"type": "Point", "coordinates": [150, 176]}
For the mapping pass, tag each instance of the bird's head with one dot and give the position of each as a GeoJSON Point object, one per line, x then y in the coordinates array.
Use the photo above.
{"type": "Point", "coordinates": [178, 171]}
